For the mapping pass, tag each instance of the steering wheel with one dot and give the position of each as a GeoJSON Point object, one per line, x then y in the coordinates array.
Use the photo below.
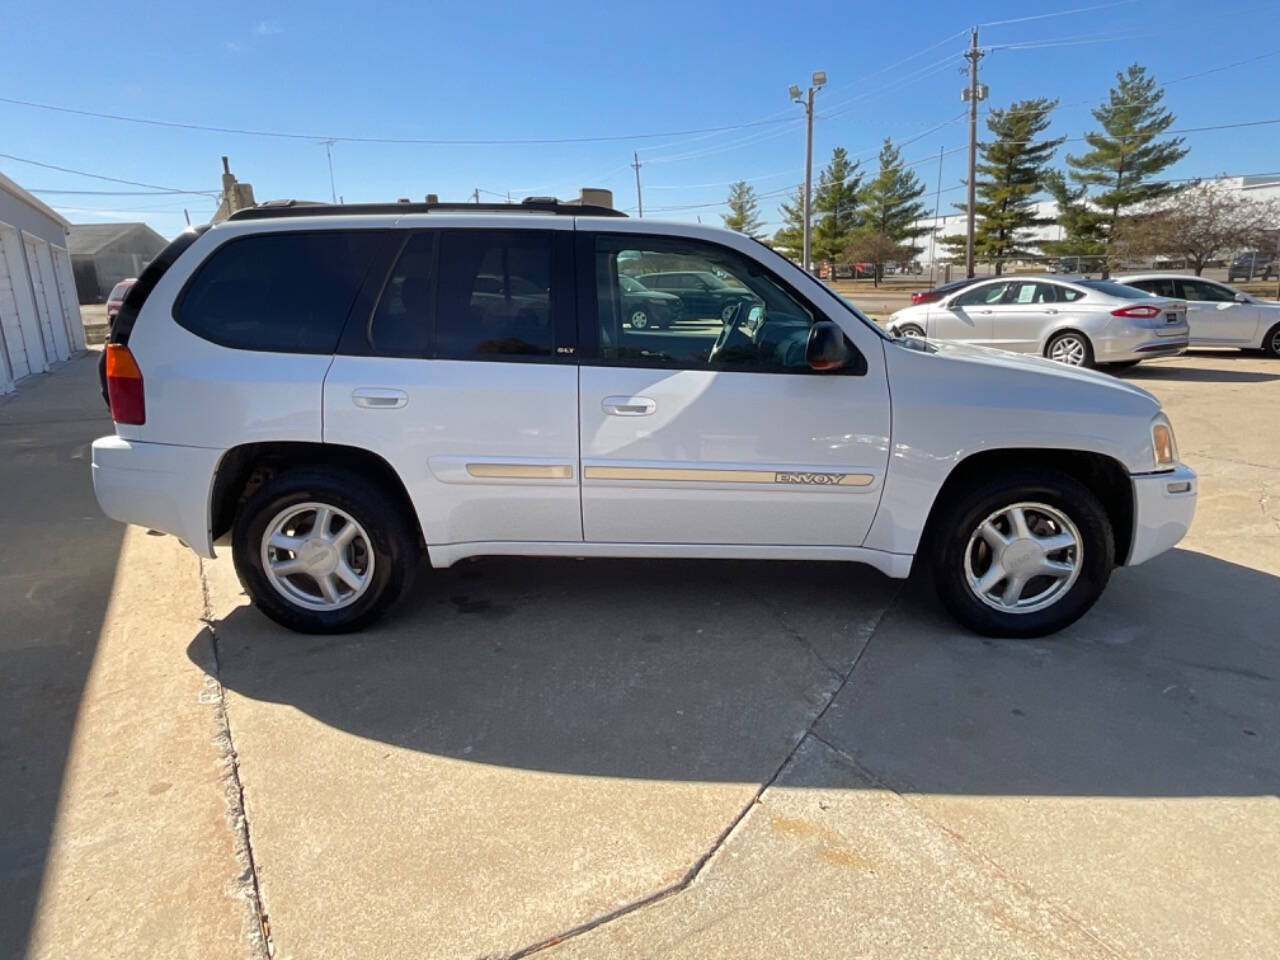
{"type": "Point", "coordinates": [732, 337]}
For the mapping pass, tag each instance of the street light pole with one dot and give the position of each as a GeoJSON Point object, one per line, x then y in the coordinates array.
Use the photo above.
{"type": "Point", "coordinates": [819, 80]}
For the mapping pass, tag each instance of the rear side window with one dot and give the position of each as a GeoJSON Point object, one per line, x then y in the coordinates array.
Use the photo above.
{"type": "Point", "coordinates": [494, 295]}
{"type": "Point", "coordinates": [279, 292]}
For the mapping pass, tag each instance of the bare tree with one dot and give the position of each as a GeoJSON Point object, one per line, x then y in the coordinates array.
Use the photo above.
{"type": "Point", "coordinates": [1205, 223]}
{"type": "Point", "coordinates": [871, 246]}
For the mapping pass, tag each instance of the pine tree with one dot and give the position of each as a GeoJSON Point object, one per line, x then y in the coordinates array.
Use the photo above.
{"type": "Point", "coordinates": [1011, 172]}
{"type": "Point", "coordinates": [789, 238]}
{"type": "Point", "coordinates": [835, 206]}
{"type": "Point", "coordinates": [744, 210]}
{"type": "Point", "coordinates": [1125, 155]}
{"type": "Point", "coordinates": [890, 209]}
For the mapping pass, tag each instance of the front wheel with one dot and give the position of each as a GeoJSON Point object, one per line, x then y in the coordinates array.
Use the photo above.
{"type": "Point", "coordinates": [639, 320]}
{"type": "Point", "coordinates": [323, 550]}
{"type": "Point", "coordinates": [911, 330]}
{"type": "Point", "coordinates": [1071, 348]}
{"type": "Point", "coordinates": [1023, 555]}
{"type": "Point", "coordinates": [1271, 342]}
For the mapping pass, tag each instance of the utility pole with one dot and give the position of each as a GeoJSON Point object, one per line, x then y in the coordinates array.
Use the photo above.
{"type": "Point", "coordinates": [819, 80]}
{"type": "Point", "coordinates": [937, 205]}
{"type": "Point", "coordinates": [974, 93]}
{"type": "Point", "coordinates": [475, 195]}
{"type": "Point", "coordinates": [186, 214]}
{"type": "Point", "coordinates": [635, 163]}
{"type": "Point", "coordinates": [328, 150]}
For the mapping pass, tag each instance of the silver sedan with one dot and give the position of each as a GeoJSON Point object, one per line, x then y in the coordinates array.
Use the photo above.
{"type": "Point", "coordinates": [1083, 323]}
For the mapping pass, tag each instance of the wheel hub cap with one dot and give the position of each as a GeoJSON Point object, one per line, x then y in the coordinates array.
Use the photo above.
{"type": "Point", "coordinates": [318, 557]}
{"type": "Point", "coordinates": [1023, 557]}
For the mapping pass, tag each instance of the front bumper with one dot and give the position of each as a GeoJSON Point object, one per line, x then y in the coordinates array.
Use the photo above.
{"type": "Point", "coordinates": [160, 486]}
{"type": "Point", "coordinates": [1163, 505]}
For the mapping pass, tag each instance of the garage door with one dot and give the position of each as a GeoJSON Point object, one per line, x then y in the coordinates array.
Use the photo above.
{"type": "Point", "coordinates": [67, 291]}
{"type": "Point", "coordinates": [50, 319]}
{"type": "Point", "coordinates": [14, 339]}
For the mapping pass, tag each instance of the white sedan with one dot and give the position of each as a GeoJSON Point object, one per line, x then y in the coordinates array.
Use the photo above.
{"type": "Point", "coordinates": [1219, 316]}
{"type": "Point", "coordinates": [1078, 322]}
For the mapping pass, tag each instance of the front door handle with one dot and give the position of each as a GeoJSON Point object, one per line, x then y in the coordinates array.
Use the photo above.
{"type": "Point", "coordinates": [379, 398]}
{"type": "Point", "coordinates": [628, 406]}
{"type": "Point", "coordinates": [1050, 310]}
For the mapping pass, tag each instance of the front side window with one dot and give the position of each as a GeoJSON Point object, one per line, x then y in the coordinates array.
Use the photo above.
{"type": "Point", "coordinates": [1158, 287]}
{"type": "Point", "coordinates": [750, 321]}
{"type": "Point", "coordinates": [984, 295]}
{"type": "Point", "coordinates": [280, 292]}
{"type": "Point", "coordinates": [1204, 291]}
{"type": "Point", "coordinates": [494, 295]}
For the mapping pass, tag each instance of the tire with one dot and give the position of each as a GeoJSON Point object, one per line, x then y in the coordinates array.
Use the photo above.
{"type": "Point", "coordinates": [1052, 504]}
{"type": "Point", "coordinates": [639, 319]}
{"type": "Point", "coordinates": [1059, 344]}
{"type": "Point", "coordinates": [383, 549]}
{"type": "Point", "coordinates": [911, 330]}
{"type": "Point", "coordinates": [1271, 342]}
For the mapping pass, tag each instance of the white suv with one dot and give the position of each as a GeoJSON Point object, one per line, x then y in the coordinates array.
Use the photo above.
{"type": "Point", "coordinates": [341, 389]}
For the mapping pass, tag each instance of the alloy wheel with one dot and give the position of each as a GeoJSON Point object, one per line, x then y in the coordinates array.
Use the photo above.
{"type": "Point", "coordinates": [317, 556]}
{"type": "Point", "coordinates": [1069, 349]}
{"type": "Point", "coordinates": [639, 320]}
{"type": "Point", "coordinates": [1023, 557]}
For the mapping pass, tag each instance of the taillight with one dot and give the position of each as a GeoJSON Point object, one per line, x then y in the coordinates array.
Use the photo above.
{"type": "Point", "coordinates": [1142, 312]}
{"type": "Point", "coordinates": [124, 386]}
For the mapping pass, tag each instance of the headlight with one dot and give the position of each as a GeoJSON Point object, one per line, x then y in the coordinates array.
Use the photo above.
{"type": "Point", "coordinates": [1162, 442]}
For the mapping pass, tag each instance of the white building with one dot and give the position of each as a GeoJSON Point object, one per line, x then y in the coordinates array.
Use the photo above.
{"type": "Point", "coordinates": [39, 316]}
{"type": "Point", "coordinates": [1261, 188]}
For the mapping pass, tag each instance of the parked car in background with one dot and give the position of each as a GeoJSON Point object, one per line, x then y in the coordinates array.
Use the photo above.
{"type": "Point", "coordinates": [116, 297]}
{"type": "Point", "coordinates": [938, 292]}
{"type": "Point", "coordinates": [1218, 316]}
{"type": "Point", "coordinates": [702, 293]}
{"type": "Point", "coordinates": [1076, 265]}
{"type": "Point", "coordinates": [1253, 265]}
{"type": "Point", "coordinates": [647, 309]}
{"type": "Point", "coordinates": [1078, 322]}
{"type": "Point", "coordinates": [324, 387]}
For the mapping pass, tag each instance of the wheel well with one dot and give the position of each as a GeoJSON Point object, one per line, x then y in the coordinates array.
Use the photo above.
{"type": "Point", "coordinates": [1106, 477]}
{"type": "Point", "coordinates": [242, 470]}
{"type": "Point", "coordinates": [1057, 333]}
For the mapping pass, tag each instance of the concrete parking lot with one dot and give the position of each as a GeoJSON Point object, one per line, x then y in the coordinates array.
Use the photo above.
{"type": "Point", "coordinates": [640, 759]}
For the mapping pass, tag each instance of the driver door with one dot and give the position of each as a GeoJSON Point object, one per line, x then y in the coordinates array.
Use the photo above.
{"type": "Point", "coordinates": [720, 433]}
{"type": "Point", "coordinates": [968, 316]}
{"type": "Point", "coordinates": [1214, 315]}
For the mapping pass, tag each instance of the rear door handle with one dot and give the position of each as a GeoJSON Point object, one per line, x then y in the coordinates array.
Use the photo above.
{"type": "Point", "coordinates": [379, 398]}
{"type": "Point", "coordinates": [628, 406]}
{"type": "Point", "coordinates": [1050, 310]}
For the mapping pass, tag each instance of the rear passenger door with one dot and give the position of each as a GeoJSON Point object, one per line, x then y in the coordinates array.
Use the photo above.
{"type": "Point", "coordinates": [457, 367]}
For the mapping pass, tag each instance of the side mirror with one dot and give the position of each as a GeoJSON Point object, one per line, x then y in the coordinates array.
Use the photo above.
{"type": "Point", "coordinates": [827, 349]}
{"type": "Point", "coordinates": [1242, 298]}
{"type": "Point", "coordinates": [755, 316]}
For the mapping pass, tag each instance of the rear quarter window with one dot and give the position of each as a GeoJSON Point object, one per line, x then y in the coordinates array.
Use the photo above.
{"type": "Point", "coordinates": [278, 292]}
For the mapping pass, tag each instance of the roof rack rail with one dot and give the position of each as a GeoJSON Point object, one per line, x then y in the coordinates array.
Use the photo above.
{"type": "Point", "coordinates": [308, 208]}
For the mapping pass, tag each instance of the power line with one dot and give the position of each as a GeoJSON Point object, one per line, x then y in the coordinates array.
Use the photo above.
{"type": "Point", "coordinates": [99, 176]}
{"type": "Point", "coordinates": [1058, 13]}
{"type": "Point", "coordinates": [431, 141]}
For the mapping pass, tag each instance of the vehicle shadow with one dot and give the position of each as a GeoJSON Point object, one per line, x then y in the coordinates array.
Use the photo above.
{"type": "Point", "coordinates": [695, 670]}
{"type": "Point", "coordinates": [1171, 373]}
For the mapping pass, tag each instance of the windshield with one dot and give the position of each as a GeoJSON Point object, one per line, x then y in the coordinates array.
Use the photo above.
{"type": "Point", "coordinates": [1121, 290]}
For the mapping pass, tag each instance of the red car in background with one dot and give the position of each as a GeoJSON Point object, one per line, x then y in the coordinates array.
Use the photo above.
{"type": "Point", "coordinates": [116, 297]}
{"type": "Point", "coordinates": [937, 293]}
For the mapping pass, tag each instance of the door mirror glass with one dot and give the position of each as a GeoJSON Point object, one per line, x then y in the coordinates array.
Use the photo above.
{"type": "Point", "coordinates": [827, 349]}
{"type": "Point", "coordinates": [1242, 298]}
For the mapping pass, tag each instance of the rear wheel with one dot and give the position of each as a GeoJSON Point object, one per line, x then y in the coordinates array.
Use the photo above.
{"type": "Point", "coordinates": [1023, 555]}
{"type": "Point", "coordinates": [1071, 348]}
{"type": "Point", "coordinates": [322, 550]}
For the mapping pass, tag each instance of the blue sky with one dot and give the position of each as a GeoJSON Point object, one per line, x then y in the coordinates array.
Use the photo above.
{"type": "Point", "coordinates": [566, 70]}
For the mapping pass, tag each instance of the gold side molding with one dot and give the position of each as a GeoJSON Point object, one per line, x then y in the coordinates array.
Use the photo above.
{"type": "Point", "coordinates": [712, 475]}
{"type": "Point", "coordinates": [520, 471]}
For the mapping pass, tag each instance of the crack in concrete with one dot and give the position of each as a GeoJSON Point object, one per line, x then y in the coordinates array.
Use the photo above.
{"type": "Point", "coordinates": [247, 882]}
{"type": "Point", "coordinates": [696, 869]}
{"type": "Point", "coordinates": [975, 855]}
